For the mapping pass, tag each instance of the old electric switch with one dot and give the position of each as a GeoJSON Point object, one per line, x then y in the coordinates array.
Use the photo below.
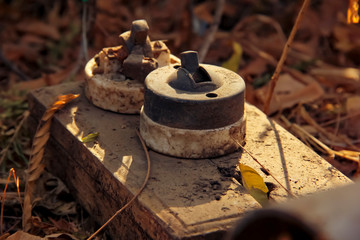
{"type": "Point", "coordinates": [193, 110]}
{"type": "Point", "coordinates": [115, 76]}
{"type": "Point", "coordinates": [190, 76]}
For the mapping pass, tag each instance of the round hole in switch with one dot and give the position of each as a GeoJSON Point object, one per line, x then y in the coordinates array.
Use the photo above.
{"type": "Point", "coordinates": [211, 95]}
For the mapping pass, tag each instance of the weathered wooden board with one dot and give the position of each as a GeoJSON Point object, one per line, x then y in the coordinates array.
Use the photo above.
{"type": "Point", "coordinates": [184, 199]}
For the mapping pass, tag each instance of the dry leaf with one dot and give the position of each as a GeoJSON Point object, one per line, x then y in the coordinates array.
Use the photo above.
{"type": "Point", "coordinates": [353, 124]}
{"type": "Point", "coordinates": [254, 68]}
{"type": "Point", "coordinates": [338, 75]}
{"type": "Point", "coordinates": [328, 10]}
{"type": "Point", "coordinates": [252, 29]}
{"type": "Point", "coordinates": [308, 34]}
{"type": "Point", "coordinates": [255, 184]}
{"type": "Point", "coordinates": [89, 138]}
{"type": "Point", "coordinates": [14, 52]}
{"type": "Point", "coordinates": [234, 61]}
{"type": "Point", "coordinates": [4, 236]}
{"type": "Point", "coordinates": [39, 28]}
{"type": "Point", "coordinates": [289, 92]}
{"type": "Point", "coordinates": [64, 225]}
{"type": "Point", "coordinates": [45, 80]}
{"type": "Point", "coordinates": [20, 235]}
{"type": "Point", "coordinates": [60, 236]}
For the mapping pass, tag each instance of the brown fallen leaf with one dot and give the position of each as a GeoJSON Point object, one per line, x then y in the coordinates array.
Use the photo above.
{"type": "Point", "coordinates": [4, 236]}
{"type": "Point", "coordinates": [308, 34]}
{"type": "Point", "coordinates": [328, 10]}
{"type": "Point", "coordinates": [254, 68]}
{"type": "Point", "coordinates": [14, 52]}
{"type": "Point", "coordinates": [289, 92]}
{"type": "Point", "coordinates": [39, 28]}
{"type": "Point", "coordinates": [353, 124]}
{"type": "Point", "coordinates": [31, 39]}
{"type": "Point", "coordinates": [64, 225]}
{"type": "Point", "coordinates": [350, 76]}
{"type": "Point", "coordinates": [252, 28]}
{"type": "Point", "coordinates": [45, 80]}
{"type": "Point", "coordinates": [20, 235]}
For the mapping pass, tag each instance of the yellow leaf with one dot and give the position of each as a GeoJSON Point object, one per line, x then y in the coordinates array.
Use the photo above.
{"type": "Point", "coordinates": [234, 61]}
{"type": "Point", "coordinates": [91, 137]}
{"type": "Point", "coordinates": [255, 184]}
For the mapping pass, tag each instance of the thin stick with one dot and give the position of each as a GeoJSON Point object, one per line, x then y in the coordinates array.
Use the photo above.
{"type": "Point", "coordinates": [281, 62]}
{"type": "Point", "coordinates": [12, 139]}
{"type": "Point", "coordinates": [257, 161]}
{"type": "Point", "coordinates": [305, 136]}
{"type": "Point", "coordinates": [213, 29]}
{"type": "Point", "coordinates": [136, 195]}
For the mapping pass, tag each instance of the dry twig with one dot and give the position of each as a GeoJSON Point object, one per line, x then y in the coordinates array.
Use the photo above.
{"type": "Point", "coordinates": [281, 62]}
{"type": "Point", "coordinates": [306, 116]}
{"type": "Point", "coordinates": [257, 161]}
{"type": "Point", "coordinates": [136, 195]}
{"type": "Point", "coordinates": [213, 29]}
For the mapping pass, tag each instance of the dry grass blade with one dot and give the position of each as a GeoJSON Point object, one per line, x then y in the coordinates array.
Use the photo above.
{"type": "Point", "coordinates": [136, 195]}
{"type": "Point", "coordinates": [281, 62]}
{"type": "Point", "coordinates": [305, 115]}
{"type": "Point", "coordinates": [16, 180]}
{"type": "Point", "coordinates": [36, 167]}
{"type": "Point", "coordinates": [307, 137]}
{"type": "Point", "coordinates": [5, 150]}
{"type": "Point", "coordinates": [214, 27]}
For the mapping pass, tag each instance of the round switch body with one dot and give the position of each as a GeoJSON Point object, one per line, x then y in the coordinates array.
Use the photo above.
{"type": "Point", "coordinates": [115, 77]}
{"type": "Point", "coordinates": [193, 110]}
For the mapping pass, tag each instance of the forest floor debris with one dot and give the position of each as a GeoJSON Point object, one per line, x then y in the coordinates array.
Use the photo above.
{"type": "Point", "coordinates": [316, 97]}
